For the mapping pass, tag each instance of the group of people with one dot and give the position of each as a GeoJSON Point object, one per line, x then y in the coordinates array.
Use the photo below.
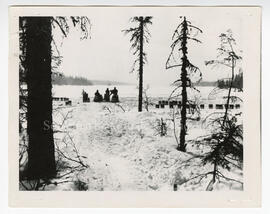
{"type": "Point", "coordinates": [107, 96]}
{"type": "Point", "coordinates": [99, 98]}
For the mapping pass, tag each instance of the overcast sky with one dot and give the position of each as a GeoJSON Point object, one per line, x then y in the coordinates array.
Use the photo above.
{"type": "Point", "coordinates": [107, 55]}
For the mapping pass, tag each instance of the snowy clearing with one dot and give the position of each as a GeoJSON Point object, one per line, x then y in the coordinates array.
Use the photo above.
{"type": "Point", "coordinates": [121, 149]}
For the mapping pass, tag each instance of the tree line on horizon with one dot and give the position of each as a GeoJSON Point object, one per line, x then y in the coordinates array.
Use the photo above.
{"type": "Point", "coordinates": [70, 80]}
{"type": "Point", "coordinates": [237, 82]}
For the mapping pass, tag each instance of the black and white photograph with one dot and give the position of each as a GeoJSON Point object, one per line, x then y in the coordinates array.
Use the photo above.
{"type": "Point", "coordinates": [146, 99]}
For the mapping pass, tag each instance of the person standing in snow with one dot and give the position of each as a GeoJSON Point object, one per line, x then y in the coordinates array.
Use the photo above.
{"type": "Point", "coordinates": [107, 95]}
{"type": "Point", "coordinates": [98, 97]}
{"type": "Point", "coordinates": [115, 98]}
{"type": "Point", "coordinates": [85, 97]}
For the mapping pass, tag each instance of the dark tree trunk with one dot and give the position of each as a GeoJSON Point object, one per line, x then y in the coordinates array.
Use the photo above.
{"type": "Point", "coordinates": [229, 94]}
{"type": "Point", "coordinates": [215, 171]}
{"type": "Point", "coordinates": [182, 145]}
{"type": "Point", "coordinates": [141, 66]}
{"type": "Point", "coordinates": [41, 157]}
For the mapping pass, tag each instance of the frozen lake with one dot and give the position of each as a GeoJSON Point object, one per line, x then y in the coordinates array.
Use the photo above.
{"type": "Point", "coordinates": [74, 92]}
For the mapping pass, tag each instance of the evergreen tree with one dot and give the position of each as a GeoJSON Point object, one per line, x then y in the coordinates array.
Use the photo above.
{"type": "Point", "coordinates": [181, 36]}
{"type": "Point", "coordinates": [139, 36]}
{"type": "Point", "coordinates": [36, 70]}
{"type": "Point", "coordinates": [227, 134]}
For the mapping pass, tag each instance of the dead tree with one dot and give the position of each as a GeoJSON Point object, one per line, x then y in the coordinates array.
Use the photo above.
{"type": "Point", "coordinates": [181, 36]}
{"type": "Point", "coordinates": [229, 59]}
{"type": "Point", "coordinates": [146, 99]}
{"type": "Point", "coordinates": [139, 36]}
{"type": "Point", "coordinates": [36, 58]}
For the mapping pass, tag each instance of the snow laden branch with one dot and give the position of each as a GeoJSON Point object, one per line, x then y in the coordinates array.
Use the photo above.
{"type": "Point", "coordinates": [81, 22]}
{"type": "Point", "coordinates": [63, 23]}
{"type": "Point", "coordinates": [69, 161]}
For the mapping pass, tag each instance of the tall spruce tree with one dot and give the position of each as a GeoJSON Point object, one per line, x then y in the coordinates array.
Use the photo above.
{"type": "Point", "coordinates": [181, 36]}
{"type": "Point", "coordinates": [139, 36]}
{"type": "Point", "coordinates": [41, 160]}
{"type": "Point", "coordinates": [36, 69]}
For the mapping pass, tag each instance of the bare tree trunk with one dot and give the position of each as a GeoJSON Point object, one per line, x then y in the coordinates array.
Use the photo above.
{"type": "Point", "coordinates": [41, 157]}
{"type": "Point", "coordinates": [182, 145]}
{"type": "Point", "coordinates": [215, 172]}
{"type": "Point", "coordinates": [229, 93]}
{"type": "Point", "coordinates": [141, 66]}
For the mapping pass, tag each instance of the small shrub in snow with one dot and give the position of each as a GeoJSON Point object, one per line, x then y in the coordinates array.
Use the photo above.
{"type": "Point", "coordinates": [226, 148]}
{"type": "Point", "coordinates": [161, 127]}
{"type": "Point", "coordinates": [80, 185]}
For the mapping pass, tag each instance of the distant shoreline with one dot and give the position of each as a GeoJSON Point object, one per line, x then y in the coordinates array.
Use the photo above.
{"type": "Point", "coordinates": [117, 84]}
{"type": "Point", "coordinates": [105, 84]}
{"type": "Point", "coordinates": [82, 81]}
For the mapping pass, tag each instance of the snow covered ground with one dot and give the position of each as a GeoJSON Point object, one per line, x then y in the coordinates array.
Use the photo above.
{"type": "Point", "coordinates": [108, 147]}
{"type": "Point", "coordinates": [124, 151]}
